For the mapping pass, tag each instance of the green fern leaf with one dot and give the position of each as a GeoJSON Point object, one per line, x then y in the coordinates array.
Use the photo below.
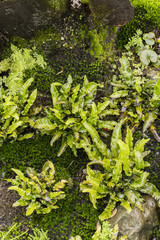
{"type": "Point", "coordinates": [95, 137]}
{"type": "Point", "coordinates": [116, 135]}
{"type": "Point", "coordinates": [140, 182]}
{"type": "Point", "coordinates": [30, 102]}
{"type": "Point", "coordinates": [14, 126]}
{"type": "Point", "coordinates": [129, 139]}
{"type": "Point", "coordinates": [44, 123]}
{"type": "Point", "coordinates": [124, 157]}
{"type": "Point", "coordinates": [108, 210]}
{"type": "Point", "coordinates": [139, 145]}
{"type": "Point", "coordinates": [23, 94]}
{"type": "Point", "coordinates": [63, 147]}
{"type": "Point", "coordinates": [66, 87]}
{"type": "Point", "coordinates": [55, 93]}
{"type": "Point", "coordinates": [126, 205]}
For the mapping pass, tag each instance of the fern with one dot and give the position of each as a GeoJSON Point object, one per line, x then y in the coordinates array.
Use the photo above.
{"type": "Point", "coordinates": [15, 98]}
{"type": "Point", "coordinates": [105, 232]}
{"type": "Point", "coordinates": [39, 234]}
{"type": "Point", "coordinates": [75, 117]}
{"type": "Point", "coordinates": [121, 177]}
{"type": "Point", "coordinates": [19, 61]}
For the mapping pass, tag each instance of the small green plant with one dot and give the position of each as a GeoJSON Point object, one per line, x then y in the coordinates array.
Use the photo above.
{"type": "Point", "coordinates": [39, 192]}
{"type": "Point", "coordinates": [144, 47]}
{"type": "Point", "coordinates": [97, 45]}
{"type": "Point", "coordinates": [96, 48]}
{"type": "Point", "coordinates": [75, 115]}
{"type": "Point", "coordinates": [15, 100]}
{"type": "Point", "coordinates": [135, 95]}
{"type": "Point", "coordinates": [14, 67]}
{"type": "Point", "coordinates": [15, 113]}
{"type": "Point", "coordinates": [11, 233]}
{"type": "Point", "coordinates": [106, 232]}
{"type": "Point", "coordinates": [146, 17]}
{"type": "Point", "coordinates": [39, 234]}
{"type": "Point", "coordinates": [75, 238]}
{"type": "Point", "coordinates": [121, 177]}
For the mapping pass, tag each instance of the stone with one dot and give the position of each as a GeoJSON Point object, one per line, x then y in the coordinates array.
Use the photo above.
{"type": "Point", "coordinates": [137, 225]}
{"type": "Point", "coordinates": [153, 74]}
{"type": "Point", "coordinates": [112, 12]}
{"type": "Point", "coordinates": [23, 17]}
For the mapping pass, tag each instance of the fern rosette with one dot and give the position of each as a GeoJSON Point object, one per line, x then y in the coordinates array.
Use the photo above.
{"type": "Point", "coordinates": [39, 192]}
{"type": "Point", "coordinates": [75, 116]}
{"type": "Point", "coordinates": [121, 177]}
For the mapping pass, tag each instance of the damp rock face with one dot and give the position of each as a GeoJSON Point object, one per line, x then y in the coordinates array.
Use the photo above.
{"type": "Point", "coordinates": [23, 17]}
{"type": "Point", "coordinates": [137, 225]}
{"type": "Point", "coordinates": [112, 12]}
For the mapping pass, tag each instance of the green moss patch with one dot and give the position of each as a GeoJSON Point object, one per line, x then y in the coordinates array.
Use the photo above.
{"type": "Point", "coordinates": [146, 18]}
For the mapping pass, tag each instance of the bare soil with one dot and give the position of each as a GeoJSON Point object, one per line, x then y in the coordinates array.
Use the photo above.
{"type": "Point", "coordinates": [7, 212]}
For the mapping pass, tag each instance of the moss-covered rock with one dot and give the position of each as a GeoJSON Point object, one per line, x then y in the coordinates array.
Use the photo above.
{"type": "Point", "coordinates": [70, 49]}
{"type": "Point", "coordinates": [146, 18]}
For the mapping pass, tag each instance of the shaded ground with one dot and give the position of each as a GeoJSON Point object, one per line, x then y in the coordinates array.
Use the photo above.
{"type": "Point", "coordinates": [7, 212]}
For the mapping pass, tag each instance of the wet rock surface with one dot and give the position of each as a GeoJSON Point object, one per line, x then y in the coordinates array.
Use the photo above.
{"type": "Point", "coordinates": [24, 17]}
{"type": "Point", "coordinates": [112, 12]}
{"type": "Point", "coordinates": [137, 225]}
{"type": "Point", "coordinates": [154, 74]}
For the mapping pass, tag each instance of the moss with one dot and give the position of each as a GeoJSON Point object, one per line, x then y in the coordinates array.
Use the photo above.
{"type": "Point", "coordinates": [33, 153]}
{"type": "Point", "coordinates": [100, 41]}
{"type": "Point", "coordinates": [85, 1]}
{"type": "Point", "coordinates": [96, 48]}
{"type": "Point", "coordinates": [152, 8]}
{"type": "Point", "coordinates": [59, 70]}
{"type": "Point", "coordinates": [155, 234]}
{"type": "Point", "coordinates": [146, 18]}
{"type": "Point", "coordinates": [42, 37]}
{"type": "Point", "coordinates": [14, 231]}
{"type": "Point", "coordinates": [63, 62]}
{"type": "Point", "coordinates": [71, 216]}
{"type": "Point", "coordinates": [76, 216]}
{"type": "Point", "coordinates": [58, 5]}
